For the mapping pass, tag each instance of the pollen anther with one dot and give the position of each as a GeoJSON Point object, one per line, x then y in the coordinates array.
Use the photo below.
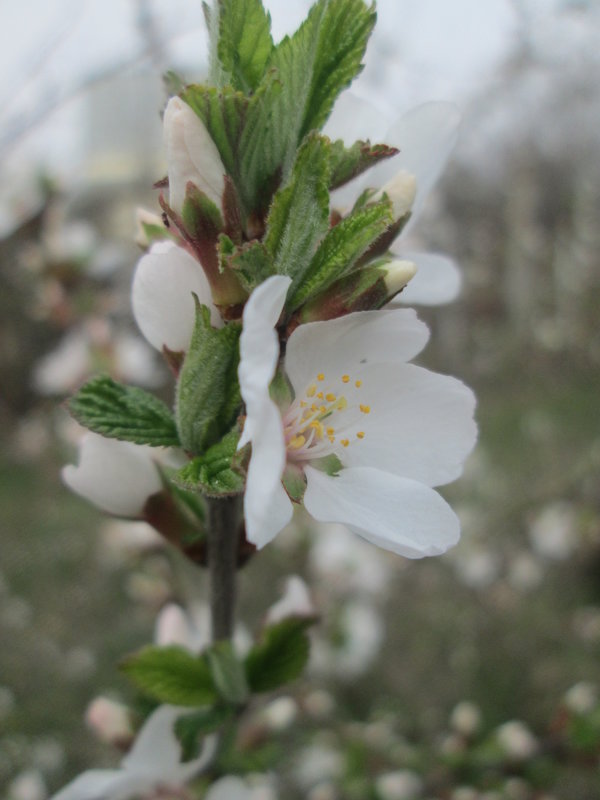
{"type": "Point", "coordinates": [361, 434]}
{"type": "Point", "coordinates": [320, 377]}
{"type": "Point", "coordinates": [365, 409]}
{"type": "Point", "coordinates": [345, 378]}
{"type": "Point", "coordinates": [345, 442]}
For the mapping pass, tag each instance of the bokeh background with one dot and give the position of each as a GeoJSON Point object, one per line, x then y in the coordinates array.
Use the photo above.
{"type": "Point", "coordinates": [468, 676]}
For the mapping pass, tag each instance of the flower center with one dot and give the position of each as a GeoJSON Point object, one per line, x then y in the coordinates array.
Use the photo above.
{"type": "Point", "coordinates": [324, 419]}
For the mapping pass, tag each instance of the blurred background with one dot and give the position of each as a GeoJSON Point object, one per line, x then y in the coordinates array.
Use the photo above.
{"type": "Point", "coordinates": [468, 676]}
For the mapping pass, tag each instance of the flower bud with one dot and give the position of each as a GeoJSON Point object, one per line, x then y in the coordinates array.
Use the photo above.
{"type": "Point", "coordinates": [109, 720]}
{"type": "Point", "coordinates": [191, 155]}
{"type": "Point", "coordinates": [295, 602]}
{"type": "Point", "coordinates": [161, 296]}
{"type": "Point", "coordinates": [401, 190]}
{"type": "Point", "coordinates": [148, 228]}
{"type": "Point", "coordinates": [362, 290]}
{"type": "Point", "coordinates": [117, 477]}
{"type": "Point", "coordinates": [398, 274]}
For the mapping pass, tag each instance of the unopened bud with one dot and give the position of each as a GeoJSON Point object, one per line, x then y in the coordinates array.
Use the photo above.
{"type": "Point", "coordinates": [401, 190]}
{"type": "Point", "coordinates": [191, 155]}
{"type": "Point", "coordinates": [109, 720]}
{"type": "Point", "coordinates": [148, 228]}
{"type": "Point", "coordinates": [398, 274]}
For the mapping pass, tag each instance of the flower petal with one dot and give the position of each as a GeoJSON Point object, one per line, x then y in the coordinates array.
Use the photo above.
{"type": "Point", "coordinates": [156, 752]}
{"type": "Point", "coordinates": [395, 513]}
{"type": "Point", "coordinates": [295, 602]}
{"type": "Point", "coordinates": [100, 784]}
{"type": "Point", "coordinates": [259, 346]}
{"type": "Point", "coordinates": [267, 508]}
{"type": "Point", "coordinates": [420, 424]}
{"type": "Point", "coordinates": [336, 346]}
{"type": "Point", "coordinates": [437, 280]}
{"type": "Point", "coordinates": [116, 476]}
{"type": "Point", "coordinates": [425, 136]}
{"type": "Point", "coordinates": [161, 296]}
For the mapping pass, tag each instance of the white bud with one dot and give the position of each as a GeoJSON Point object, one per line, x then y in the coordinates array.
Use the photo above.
{"type": "Point", "coordinates": [280, 714]}
{"type": "Point", "coordinates": [191, 155]}
{"type": "Point", "coordinates": [465, 718]}
{"type": "Point", "coordinates": [28, 785]}
{"type": "Point", "coordinates": [117, 477]}
{"type": "Point", "coordinates": [295, 602]}
{"type": "Point", "coordinates": [581, 698]}
{"type": "Point", "coordinates": [398, 274]}
{"type": "Point", "coordinates": [401, 190]}
{"type": "Point", "coordinates": [161, 296]}
{"type": "Point", "coordinates": [516, 740]}
{"type": "Point", "coordinates": [109, 720]}
{"type": "Point", "coordinates": [399, 785]}
{"type": "Point", "coordinates": [143, 217]}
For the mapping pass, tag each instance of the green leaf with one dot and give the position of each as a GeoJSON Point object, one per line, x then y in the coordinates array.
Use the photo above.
{"type": "Point", "coordinates": [227, 672]}
{"type": "Point", "coordinates": [299, 216]}
{"type": "Point", "coordinates": [201, 218]}
{"type": "Point", "coordinates": [251, 262]}
{"type": "Point", "coordinates": [191, 728]}
{"type": "Point", "coordinates": [343, 35]}
{"type": "Point", "coordinates": [245, 42]}
{"type": "Point", "coordinates": [215, 472]}
{"type": "Point", "coordinates": [208, 392]}
{"type": "Point", "coordinates": [281, 655]}
{"type": "Point", "coordinates": [341, 249]}
{"type": "Point", "coordinates": [123, 412]}
{"type": "Point", "coordinates": [348, 162]}
{"type": "Point", "coordinates": [223, 112]}
{"type": "Point", "coordinates": [171, 675]}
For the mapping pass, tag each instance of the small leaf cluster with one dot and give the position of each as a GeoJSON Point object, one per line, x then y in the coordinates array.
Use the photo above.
{"type": "Point", "coordinates": [217, 682]}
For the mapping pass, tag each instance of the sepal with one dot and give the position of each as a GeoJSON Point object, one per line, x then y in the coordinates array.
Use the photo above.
{"type": "Point", "coordinates": [349, 162]}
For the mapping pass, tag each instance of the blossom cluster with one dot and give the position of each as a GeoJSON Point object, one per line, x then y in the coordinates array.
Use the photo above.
{"type": "Point", "coordinates": [273, 285]}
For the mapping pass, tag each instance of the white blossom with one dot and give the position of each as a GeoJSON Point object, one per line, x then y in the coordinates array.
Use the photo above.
{"type": "Point", "coordinates": [295, 602]}
{"type": "Point", "coordinates": [397, 429]}
{"type": "Point", "coordinates": [153, 762]}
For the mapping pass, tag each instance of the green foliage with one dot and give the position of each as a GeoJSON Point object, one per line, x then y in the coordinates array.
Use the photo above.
{"type": "Point", "coordinates": [299, 216]}
{"type": "Point", "coordinates": [340, 250]}
{"type": "Point", "coordinates": [227, 672]}
{"type": "Point", "coordinates": [281, 655]}
{"type": "Point", "coordinates": [342, 39]}
{"type": "Point", "coordinates": [223, 112]}
{"type": "Point", "coordinates": [201, 218]}
{"type": "Point", "coordinates": [208, 393]}
{"type": "Point", "coordinates": [349, 162]}
{"type": "Point", "coordinates": [171, 675]}
{"type": "Point", "coordinates": [245, 42]}
{"type": "Point", "coordinates": [251, 262]}
{"type": "Point", "coordinates": [123, 412]}
{"type": "Point", "coordinates": [190, 729]}
{"type": "Point", "coordinates": [215, 472]}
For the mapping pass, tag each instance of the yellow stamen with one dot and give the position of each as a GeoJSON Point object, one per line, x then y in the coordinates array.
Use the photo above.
{"type": "Point", "coordinates": [330, 431]}
{"type": "Point", "coordinates": [330, 397]}
{"type": "Point", "coordinates": [314, 407]}
{"type": "Point", "coordinates": [345, 378]}
{"type": "Point", "coordinates": [311, 391]}
{"type": "Point", "coordinates": [320, 395]}
{"type": "Point", "coordinates": [296, 442]}
{"type": "Point", "coordinates": [365, 409]}
{"type": "Point", "coordinates": [361, 434]}
{"type": "Point", "coordinates": [322, 409]}
{"type": "Point", "coordinates": [358, 384]}
{"type": "Point", "coordinates": [331, 439]}
{"type": "Point", "coordinates": [345, 442]}
{"type": "Point", "coordinates": [341, 404]}
{"type": "Point", "coordinates": [320, 377]}
{"type": "Point", "coordinates": [303, 403]}
{"type": "Point", "coordinates": [318, 428]}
